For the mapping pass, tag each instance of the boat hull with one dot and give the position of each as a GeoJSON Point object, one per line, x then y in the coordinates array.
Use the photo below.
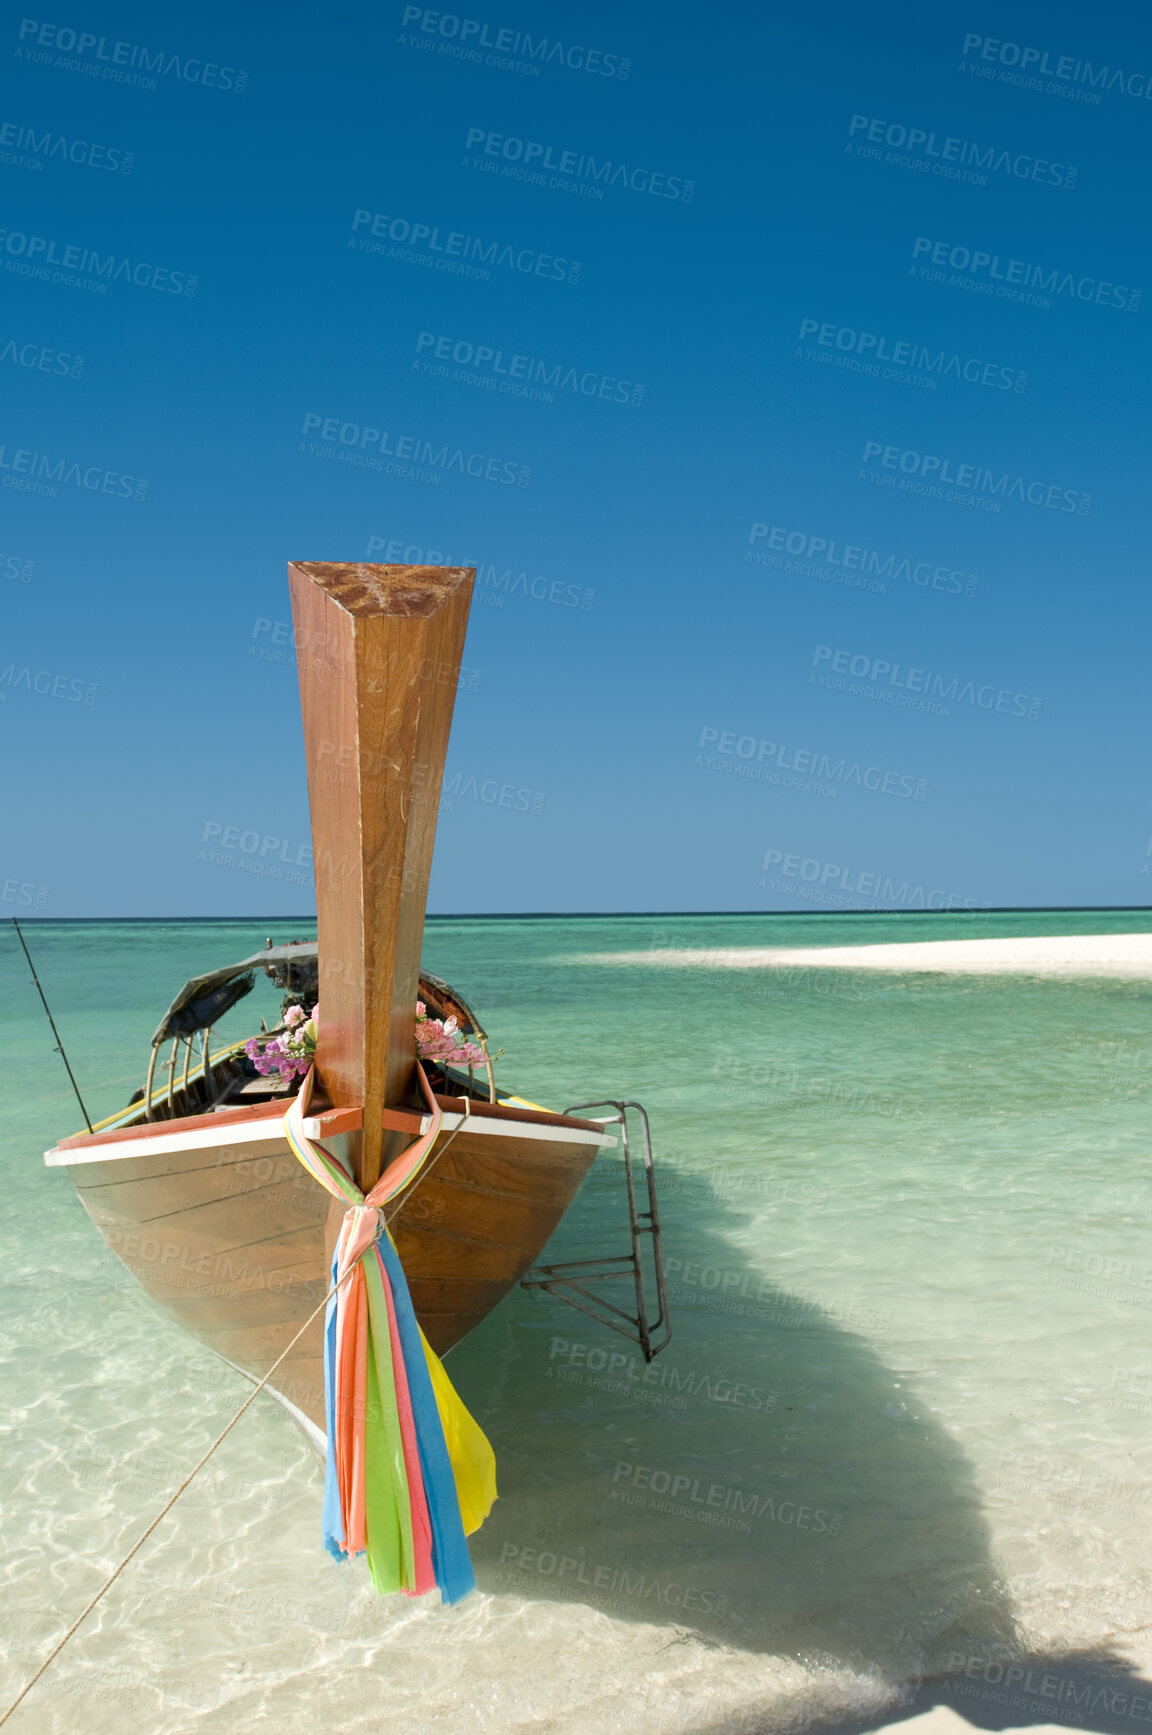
{"type": "Point", "coordinates": [233, 1238]}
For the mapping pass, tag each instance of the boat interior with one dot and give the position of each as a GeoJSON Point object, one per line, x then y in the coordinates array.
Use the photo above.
{"type": "Point", "coordinates": [193, 1078]}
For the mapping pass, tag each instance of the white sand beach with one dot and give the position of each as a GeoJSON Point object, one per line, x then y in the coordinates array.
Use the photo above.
{"type": "Point", "coordinates": [1111, 1689]}
{"type": "Point", "coordinates": [1054, 955]}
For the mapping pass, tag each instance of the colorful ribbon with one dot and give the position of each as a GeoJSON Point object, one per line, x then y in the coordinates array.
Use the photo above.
{"type": "Point", "coordinates": [409, 1472]}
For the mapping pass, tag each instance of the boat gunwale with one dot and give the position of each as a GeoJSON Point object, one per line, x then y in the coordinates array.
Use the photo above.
{"type": "Point", "coordinates": [262, 1121]}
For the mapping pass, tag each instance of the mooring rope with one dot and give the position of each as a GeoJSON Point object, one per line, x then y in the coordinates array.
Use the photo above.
{"type": "Point", "coordinates": [220, 1438]}
{"type": "Point", "coordinates": [163, 1513]}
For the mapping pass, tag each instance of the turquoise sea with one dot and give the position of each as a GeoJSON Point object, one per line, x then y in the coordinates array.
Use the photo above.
{"type": "Point", "coordinates": [901, 1434]}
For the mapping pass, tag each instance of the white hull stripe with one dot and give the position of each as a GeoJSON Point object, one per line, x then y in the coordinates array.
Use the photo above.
{"type": "Point", "coordinates": [269, 1131]}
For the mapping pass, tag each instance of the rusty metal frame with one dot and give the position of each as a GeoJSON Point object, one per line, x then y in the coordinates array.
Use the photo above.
{"type": "Point", "coordinates": [568, 1280]}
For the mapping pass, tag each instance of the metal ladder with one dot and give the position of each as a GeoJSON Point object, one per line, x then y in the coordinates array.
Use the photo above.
{"type": "Point", "coordinates": [569, 1281]}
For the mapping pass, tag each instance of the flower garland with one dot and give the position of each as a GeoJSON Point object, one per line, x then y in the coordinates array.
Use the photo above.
{"type": "Point", "coordinates": [437, 1039]}
{"type": "Point", "coordinates": [444, 1042]}
{"type": "Point", "coordinates": [291, 1054]}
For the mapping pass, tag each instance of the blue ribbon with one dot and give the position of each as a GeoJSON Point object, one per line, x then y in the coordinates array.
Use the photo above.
{"type": "Point", "coordinates": [450, 1556]}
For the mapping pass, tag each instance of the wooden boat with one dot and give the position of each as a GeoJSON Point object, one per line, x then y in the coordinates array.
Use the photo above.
{"type": "Point", "coordinates": [193, 1184]}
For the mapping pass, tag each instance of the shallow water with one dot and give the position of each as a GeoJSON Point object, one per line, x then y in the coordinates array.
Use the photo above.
{"type": "Point", "coordinates": [903, 1421]}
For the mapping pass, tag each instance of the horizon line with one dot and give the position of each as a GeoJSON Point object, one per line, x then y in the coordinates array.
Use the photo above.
{"type": "Point", "coordinates": [620, 915]}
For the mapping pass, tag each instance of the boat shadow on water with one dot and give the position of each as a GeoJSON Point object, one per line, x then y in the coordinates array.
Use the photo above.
{"type": "Point", "coordinates": [768, 1482]}
{"type": "Point", "coordinates": [1095, 1690]}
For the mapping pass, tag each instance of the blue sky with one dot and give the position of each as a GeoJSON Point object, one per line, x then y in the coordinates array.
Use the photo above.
{"type": "Point", "coordinates": [812, 534]}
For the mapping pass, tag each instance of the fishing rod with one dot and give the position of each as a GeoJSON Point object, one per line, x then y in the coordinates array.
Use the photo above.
{"type": "Point", "coordinates": [52, 1022]}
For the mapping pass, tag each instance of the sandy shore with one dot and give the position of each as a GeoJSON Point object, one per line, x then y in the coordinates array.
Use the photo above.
{"type": "Point", "coordinates": [1055, 955]}
{"type": "Point", "coordinates": [1109, 1692]}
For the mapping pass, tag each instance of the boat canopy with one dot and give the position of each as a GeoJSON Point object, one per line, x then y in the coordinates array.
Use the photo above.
{"type": "Point", "coordinates": [206, 998]}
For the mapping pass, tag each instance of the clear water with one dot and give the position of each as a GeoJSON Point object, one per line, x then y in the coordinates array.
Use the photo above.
{"type": "Point", "coordinates": [903, 1420]}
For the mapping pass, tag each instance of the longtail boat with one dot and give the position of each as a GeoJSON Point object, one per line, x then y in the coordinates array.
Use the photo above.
{"type": "Point", "coordinates": [195, 1185]}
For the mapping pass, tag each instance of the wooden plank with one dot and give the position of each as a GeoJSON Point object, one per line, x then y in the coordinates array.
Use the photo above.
{"type": "Point", "coordinates": [345, 1120]}
{"type": "Point", "coordinates": [378, 653]}
{"type": "Point", "coordinates": [217, 1307]}
{"type": "Point", "coordinates": [222, 1225]}
{"type": "Point", "coordinates": [434, 1254]}
{"type": "Point", "coordinates": [475, 1219]}
{"type": "Point", "coordinates": [329, 1122]}
{"type": "Point", "coordinates": [350, 1120]}
{"type": "Point", "coordinates": [182, 1271]}
{"type": "Point", "coordinates": [535, 1117]}
{"type": "Point", "coordinates": [508, 1171]}
{"type": "Point", "coordinates": [154, 1199]}
{"type": "Point", "coordinates": [223, 1118]}
{"type": "Point", "coordinates": [90, 1177]}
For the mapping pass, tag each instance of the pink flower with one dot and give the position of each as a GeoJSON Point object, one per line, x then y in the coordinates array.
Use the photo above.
{"type": "Point", "coordinates": [294, 1016]}
{"type": "Point", "coordinates": [444, 1041]}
